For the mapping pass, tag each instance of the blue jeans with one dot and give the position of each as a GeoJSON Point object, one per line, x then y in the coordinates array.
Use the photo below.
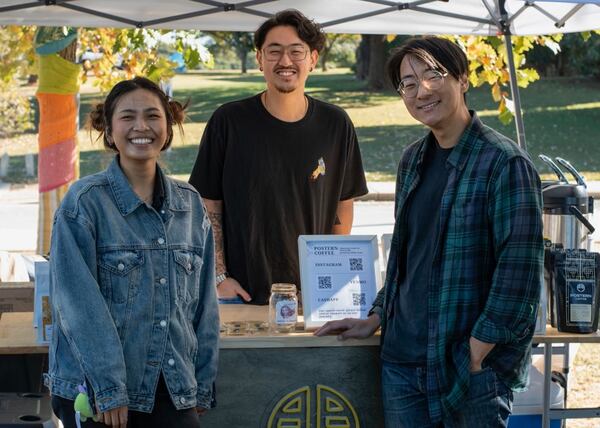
{"type": "Point", "coordinates": [404, 389]}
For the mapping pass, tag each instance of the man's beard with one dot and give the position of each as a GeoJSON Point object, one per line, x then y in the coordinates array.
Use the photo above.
{"type": "Point", "coordinates": [285, 89]}
{"type": "Point", "coordinates": [282, 90]}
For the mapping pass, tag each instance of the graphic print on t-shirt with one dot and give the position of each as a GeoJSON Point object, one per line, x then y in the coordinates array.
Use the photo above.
{"type": "Point", "coordinates": [319, 170]}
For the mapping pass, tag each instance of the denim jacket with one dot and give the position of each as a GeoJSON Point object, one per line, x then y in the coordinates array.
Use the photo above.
{"type": "Point", "coordinates": [133, 295]}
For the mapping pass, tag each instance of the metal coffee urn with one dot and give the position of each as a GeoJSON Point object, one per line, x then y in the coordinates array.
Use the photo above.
{"type": "Point", "coordinates": [567, 207]}
{"type": "Point", "coordinates": [571, 272]}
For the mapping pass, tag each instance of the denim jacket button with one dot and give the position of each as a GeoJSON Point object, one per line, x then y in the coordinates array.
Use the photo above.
{"type": "Point", "coordinates": [182, 400]}
{"type": "Point", "coordinates": [160, 241]}
{"type": "Point", "coordinates": [121, 266]}
{"type": "Point", "coordinates": [163, 323]}
{"type": "Point", "coordinates": [163, 281]}
{"type": "Point", "coordinates": [171, 362]}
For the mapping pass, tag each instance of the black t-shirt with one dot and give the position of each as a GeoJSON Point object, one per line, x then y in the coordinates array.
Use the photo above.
{"type": "Point", "coordinates": [405, 340]}
{"type": "Point", "coordinates": [277, 180]}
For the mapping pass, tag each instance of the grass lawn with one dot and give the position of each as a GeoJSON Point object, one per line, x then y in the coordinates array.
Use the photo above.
{"type": "Point", "coordinates": [561, 117]}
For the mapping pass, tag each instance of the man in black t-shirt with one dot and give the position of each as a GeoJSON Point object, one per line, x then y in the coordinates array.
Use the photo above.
{"type": "Point", "coordinates": [276, 165]}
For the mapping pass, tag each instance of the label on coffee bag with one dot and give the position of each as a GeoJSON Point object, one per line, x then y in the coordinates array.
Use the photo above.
{"type": "Point", "coordinates": [580, 300]}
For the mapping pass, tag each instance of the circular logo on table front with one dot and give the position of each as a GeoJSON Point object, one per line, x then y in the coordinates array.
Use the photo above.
{"type": "Point", "coordinates": [581, 287]}
{"type": "Point", "coordinates": [333, 409]}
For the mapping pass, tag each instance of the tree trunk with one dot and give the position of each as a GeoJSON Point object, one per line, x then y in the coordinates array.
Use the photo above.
{"type": "Point", "coordinates": [375, 78]}
{"type": "Point", "coordinates": [324, 58]}
{"type": "Point", "coordinates": [58, 160]}
{"type": "Point", "coordinates": [362, 57]}
{"type": "Point", "coordinates": [243, 56]}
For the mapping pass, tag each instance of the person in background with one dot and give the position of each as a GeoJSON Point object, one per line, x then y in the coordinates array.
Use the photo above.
{"type": "Point", "coordinates": [458, 309]}
{"type": "Point", "coordinates": [276, 165]}
{"type": "Point", "coordinates": [132, 278]}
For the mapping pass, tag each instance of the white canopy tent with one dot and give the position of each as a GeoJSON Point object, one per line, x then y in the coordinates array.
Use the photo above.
{"type": "Point", "coordinates": [475, 17]}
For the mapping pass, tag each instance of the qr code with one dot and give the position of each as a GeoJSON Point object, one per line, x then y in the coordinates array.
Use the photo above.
{"type": "Point", "coordinates": [324, 282]}
{"type": "Point", "coordinates": [356, 264]}
{"type": "Point", "coordinates": [359, 299]}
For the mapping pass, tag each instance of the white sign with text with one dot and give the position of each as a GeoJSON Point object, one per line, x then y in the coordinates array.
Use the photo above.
{"type": "Point", "coordinates": [339, 277]}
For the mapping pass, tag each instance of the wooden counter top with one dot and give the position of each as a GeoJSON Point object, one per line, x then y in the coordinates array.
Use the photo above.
{"type": "Point", "coordinates": [17, 335]}
{"type": "Point", "coordinates": [554, 336]}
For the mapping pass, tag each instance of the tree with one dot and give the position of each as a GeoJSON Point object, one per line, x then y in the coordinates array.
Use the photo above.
{"type": "Point", "coordinates": [123, 54]}
{"type": "Point", "coordinates": [334, 40]}
{"type": "Point", "coordinates": [126, 53]}
{"type": "Point", "coordinates": [377, 58]}
{"type": "Point", "coordinates": [488, 59]}
{"type": "Point", "coordinates": [242, 44]}
{"type": "Point", "coordinates": [17, 60]}
{"type": "Point", "coordinates": [58, 159]}
{"type": "Point", "coordinates": [361, 69]}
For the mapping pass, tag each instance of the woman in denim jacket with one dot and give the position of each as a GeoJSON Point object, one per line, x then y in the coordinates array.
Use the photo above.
{"type": "Point", "coordinates": [132, 278]}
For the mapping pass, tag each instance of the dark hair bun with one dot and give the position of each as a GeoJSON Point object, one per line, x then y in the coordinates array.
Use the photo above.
{"type": "Point", "coordinates": [96, 118]}
{"type": "Point", "coordinates": [178, 111]}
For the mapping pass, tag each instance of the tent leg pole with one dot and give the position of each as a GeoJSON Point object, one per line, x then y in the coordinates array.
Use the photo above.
{"type": "Point", "coordinates": [514, 89]}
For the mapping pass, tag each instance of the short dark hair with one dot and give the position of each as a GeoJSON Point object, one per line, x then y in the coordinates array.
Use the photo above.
{"type": "Point", "coordinates": [440, 54]}
{"type": "Point", "coordinates": [100, 118]}
{"type": "Point", "coordinates": [308, 30]}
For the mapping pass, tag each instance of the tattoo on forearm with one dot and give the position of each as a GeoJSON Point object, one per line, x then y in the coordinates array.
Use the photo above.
{"type": "Point", "coordinates": [216, 219]}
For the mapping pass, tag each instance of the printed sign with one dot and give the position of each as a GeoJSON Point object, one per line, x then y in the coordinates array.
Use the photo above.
{"type": "Point", "coordinates": [339, 277]}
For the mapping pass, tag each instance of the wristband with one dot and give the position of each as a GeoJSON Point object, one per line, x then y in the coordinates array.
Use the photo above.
{"type": "Point", "coordinates": [221, 277]}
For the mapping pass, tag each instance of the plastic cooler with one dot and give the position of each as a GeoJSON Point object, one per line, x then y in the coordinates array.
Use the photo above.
{"type": "Point", "coordinates": [30, 410]}
{"type": "Point", "coordinates": [528, 405]}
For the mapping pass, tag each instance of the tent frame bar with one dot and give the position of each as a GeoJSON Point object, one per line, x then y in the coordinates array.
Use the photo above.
{"type": "Point", "coordinates": [512, 73]}
{"type": "Point", "coordinates": [218, 7]}
{"type": "Point", "coordinates": [36, 3]}
{"type": "Point", "coordinates": [561, 22]}
{"type": "Point", "coordinates": [393, 6]}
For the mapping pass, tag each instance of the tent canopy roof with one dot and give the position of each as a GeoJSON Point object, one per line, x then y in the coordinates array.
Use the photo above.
{"type": "Point", "coordinates": [477, 17]}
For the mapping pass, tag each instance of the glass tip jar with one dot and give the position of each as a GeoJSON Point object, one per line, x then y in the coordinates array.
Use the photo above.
{"type": "Point", "coordinates": [283, 308]}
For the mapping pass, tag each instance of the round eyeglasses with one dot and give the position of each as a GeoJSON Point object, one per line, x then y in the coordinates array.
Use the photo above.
{"type": "Point", "coordinates": [431, 79]}
{"type": "Point", "coordinates": [295, 52]}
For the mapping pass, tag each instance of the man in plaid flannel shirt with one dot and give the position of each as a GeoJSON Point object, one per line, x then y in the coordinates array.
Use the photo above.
{"type": "Point", "coordinates": [458, 308]}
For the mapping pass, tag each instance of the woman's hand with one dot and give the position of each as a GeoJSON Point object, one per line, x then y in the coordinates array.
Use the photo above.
{"type": "Point", "coordinates": [114, 417]}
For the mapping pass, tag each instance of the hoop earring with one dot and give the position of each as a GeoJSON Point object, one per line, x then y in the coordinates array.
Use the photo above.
{"type": "Point", "coordinates": [260, 68]}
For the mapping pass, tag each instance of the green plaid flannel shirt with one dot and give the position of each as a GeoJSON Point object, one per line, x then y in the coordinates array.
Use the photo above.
{"type": "Point", "coordinates": [486, 276]}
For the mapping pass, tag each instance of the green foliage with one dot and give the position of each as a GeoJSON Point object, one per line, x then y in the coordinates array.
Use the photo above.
{"type": "Point", "coordinates": [16, 54]}
{"type": "Point", "coordinates": [575, 55]}
{"type": "Point", "coordinates": [339, 50]}
{"type": "Point", "coordinates": [231, 49]}
{"type": "Point", "coordinates": [581, 55]}
{"type": "Point", "coordinates": [16, 115]}
{"type": "Point", "coordinates": [488, 64]}
{"type": "Point", "coordinates": [17, 60]}
{"type": "Point", "coordinates": [131, 52]}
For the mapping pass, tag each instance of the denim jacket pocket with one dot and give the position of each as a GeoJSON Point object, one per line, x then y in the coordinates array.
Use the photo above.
{"type": "Point", "coordinates": [188, 266]}
{"type": "Point", "coordinates": [120, 274]}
